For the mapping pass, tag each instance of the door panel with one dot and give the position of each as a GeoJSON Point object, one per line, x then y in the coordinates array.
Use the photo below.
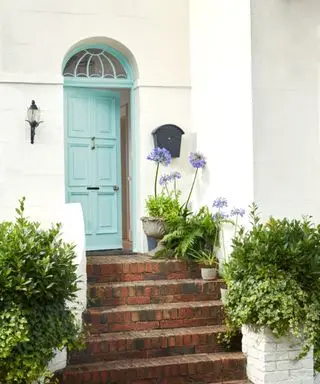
{"type": "Point", "coordinates": [79, 162]}
{"type": "Point", "coordinates": [106, 223]}
{"type": "Point", "coordinates": [105, 120]}
{"type": "Point", "coordinates": [78, 115]}
{"type": "Point", "coordinates": [93, 163]}
{"type": "Point", "coordinates": [106, 165]}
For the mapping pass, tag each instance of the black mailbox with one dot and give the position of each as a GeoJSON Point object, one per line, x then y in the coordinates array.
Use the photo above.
{"type": "Point", "coordinates": [168, 136]}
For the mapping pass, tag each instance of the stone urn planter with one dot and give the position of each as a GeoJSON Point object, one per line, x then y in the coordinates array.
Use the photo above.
{"type": "Point", "coordinates": [154, 228]}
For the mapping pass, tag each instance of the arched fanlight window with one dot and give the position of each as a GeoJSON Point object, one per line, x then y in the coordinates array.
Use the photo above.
{"type": "Point", "coordinates": [95, 62]}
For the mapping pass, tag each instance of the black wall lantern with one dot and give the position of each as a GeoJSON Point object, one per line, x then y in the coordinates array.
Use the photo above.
{"type": "Point", "coordinates": [33, 119]}
{"type": "Point", "coordinates": [168, 136]}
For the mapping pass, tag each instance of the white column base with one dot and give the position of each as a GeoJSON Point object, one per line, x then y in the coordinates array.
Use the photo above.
{"type": "Point", "coordinates": [271, 360]}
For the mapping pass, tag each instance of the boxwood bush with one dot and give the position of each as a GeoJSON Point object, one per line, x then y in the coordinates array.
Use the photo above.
{"type": "Point", "coordinates": [37, 280]}
{"type": "Point", "coordinates": [273, 279]}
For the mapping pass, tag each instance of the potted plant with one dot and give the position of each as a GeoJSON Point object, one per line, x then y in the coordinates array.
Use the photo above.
{"type": "Point", "coordinates": [209, 263]}
{"type": "Point", "coordinates": [273, 285]}
{"type": "Point", "coordinates": [159, 209]}
{"type": "Point", "coordinates": [153, 224]}
{"type": "Point", "coordinates": [164, 211]}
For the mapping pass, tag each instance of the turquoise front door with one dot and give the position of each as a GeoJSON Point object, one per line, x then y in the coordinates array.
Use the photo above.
{"type": "Point", "coordinates": [93, 174]}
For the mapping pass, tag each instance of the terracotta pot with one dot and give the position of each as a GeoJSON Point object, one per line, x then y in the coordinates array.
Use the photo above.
{"type": "Point", "coordinates": [209, 273]}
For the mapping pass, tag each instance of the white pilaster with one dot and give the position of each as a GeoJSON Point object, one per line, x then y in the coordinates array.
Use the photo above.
{"type": "Point", "coordinates": [220, 36]}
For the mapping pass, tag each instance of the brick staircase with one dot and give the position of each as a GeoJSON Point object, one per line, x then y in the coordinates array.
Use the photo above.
{"type": "Point", "coordinates": [152, 322]}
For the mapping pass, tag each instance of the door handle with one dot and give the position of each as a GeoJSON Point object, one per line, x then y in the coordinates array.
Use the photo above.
{"type": "Point", "coordinates": [115, 188]}
{"type": "Point", "coordinates": [93, 144]}
{"type": "Point", "coordinates": [93, 188]}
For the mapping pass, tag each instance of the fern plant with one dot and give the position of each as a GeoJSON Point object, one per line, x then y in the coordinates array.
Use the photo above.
{"type": "Point", "coordinates": [187, 233]}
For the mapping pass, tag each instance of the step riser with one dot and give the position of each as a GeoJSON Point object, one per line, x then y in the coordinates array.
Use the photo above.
{"type": "Point", "coordinates": [102, 273]}
{"type": "Point", "coordinates": [154, 319]}
{"type": "Point", "coordinates": [150, 294]}
{"type": "Point", "coordinates": [198, 372]}
{"type": "Point", "coordinates": [147, 348]}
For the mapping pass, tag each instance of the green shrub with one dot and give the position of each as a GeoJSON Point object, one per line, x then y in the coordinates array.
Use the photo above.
{"type": "Point", "coordinates": [37, 279]}
{"type": "Point", "coordinates": [273, 279]}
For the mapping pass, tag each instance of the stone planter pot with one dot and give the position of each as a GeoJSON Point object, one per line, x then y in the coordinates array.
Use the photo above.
{"type": "Point", "coordinates": [154, 228]}
{"type": "Point", "coordinates": [274, 360]}
{"type": "Point", "coordinates": [209, 273]}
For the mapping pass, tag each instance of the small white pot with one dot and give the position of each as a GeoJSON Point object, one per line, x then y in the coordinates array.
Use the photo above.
{"type": "Point", "coordinates": [209, 273]}
{"type": "Point", "coordinates": [224, 293]}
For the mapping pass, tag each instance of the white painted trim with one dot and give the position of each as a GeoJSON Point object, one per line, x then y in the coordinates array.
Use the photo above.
{"type": "Point", "coordinates": [46, 79]}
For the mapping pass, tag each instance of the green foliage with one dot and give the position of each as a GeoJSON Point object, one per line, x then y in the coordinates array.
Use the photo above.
{"type": "Point", "coordinates": [163, 206]}
{"type": "Point", "coordinates": [187, 233]}
{"type": "Point", "coordinates": [273, 279]}
{"type": "Point", "coordinates": [205, 257]}
{"type": "Point", "coordinates": [37, 279]}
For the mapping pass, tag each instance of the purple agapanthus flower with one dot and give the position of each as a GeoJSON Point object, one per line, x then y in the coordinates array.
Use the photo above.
{"type": "Point", "coordinates": [167, 178]}
{"type": "Point", "coordinates": [237, 212]}
{"type": "Point", "coordinates": [175, 175]}
{"type": "Point", "coordinates": [197, 160]}
{"type": "Point", "coordinates": [160, 155]}
{"type": "Point", "coordinates": [164, 179]}
{"type": "Point", "coordinates": [220, 202]}
{"type": "Point", "coordinates": [220, 215]}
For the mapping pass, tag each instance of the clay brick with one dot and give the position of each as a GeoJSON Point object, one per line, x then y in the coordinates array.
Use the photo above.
{"type": "Point", "coordinates": [171, 341]}
{"type": "Point", "coordinates": [125, 268]}
{"type": "Point", "coordinates": [146, 325]}
{"type": "Point", "coordinates": [132, 277]}
{"type": "Point", "coordinates": [135, 316]}
{"type": "Point", "coordinates": [148, 267]}
{"type": "Point", "coordinates": [187, 340]}
{"type": "Point", "coordinates": [155, 268]}
{"type": "Point", "coordinates": [141, 267]}
{"type": "Point", "coordinates": [138, 300]}
{"type": "Point", "coordinates": [133, 268]}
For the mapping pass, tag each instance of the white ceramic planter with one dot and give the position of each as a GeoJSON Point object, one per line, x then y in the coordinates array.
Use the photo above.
{"type": "Point", "coordinates": [209, 273]}
{"type": "Point", "coordinates": [224, 293]}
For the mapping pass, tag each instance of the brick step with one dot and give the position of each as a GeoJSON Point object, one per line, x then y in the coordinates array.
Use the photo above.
{"type": "Point", "coordinates": [102, 269]}
{"type": "Point", "coordinates": [153, 292]}
{"type": "Point", "coordinates": [181, 369]}
{"type": "Point", "coordinates": [147, 344]}
{"type": "Point", "coordinates": [154, 316]}
{"type": "Point", "coordinates": [234, 382]}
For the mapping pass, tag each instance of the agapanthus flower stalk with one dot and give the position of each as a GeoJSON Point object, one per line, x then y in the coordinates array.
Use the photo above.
{"type": "Point", "coordinates": [159, 156]}
{"type": "Point", "coordinates": [197, 160]}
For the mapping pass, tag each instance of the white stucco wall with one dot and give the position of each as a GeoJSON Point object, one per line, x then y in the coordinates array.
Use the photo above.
{"type": "Point", "coordinates": [285, 46]}
{"type": "Point", "coordinates": [34, 38]}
